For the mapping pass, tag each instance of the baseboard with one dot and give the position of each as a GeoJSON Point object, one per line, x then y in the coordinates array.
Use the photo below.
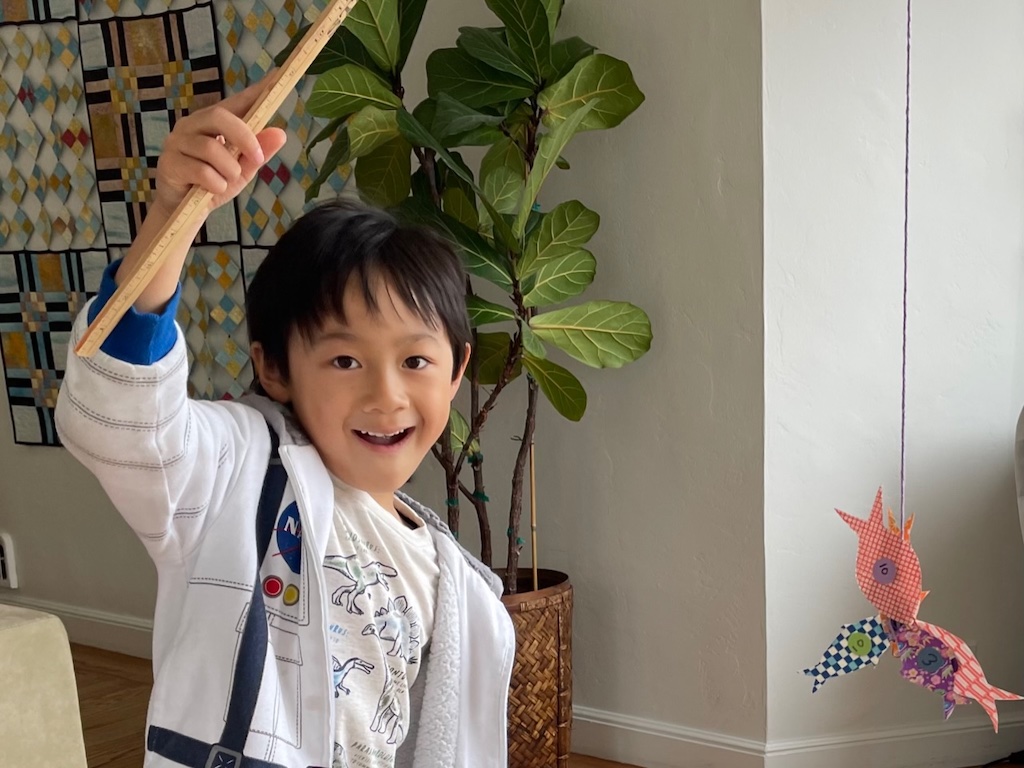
{"type": "Point", "coordinates": [943, 744]}
{"type": "Point", "coordinates": [99, 629]}
{"type": "Point", "coordinates": [653, 744]}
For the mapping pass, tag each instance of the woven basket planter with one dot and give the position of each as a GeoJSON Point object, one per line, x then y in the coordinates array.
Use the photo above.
{"type": "Point", "coordinates": [540, 698]}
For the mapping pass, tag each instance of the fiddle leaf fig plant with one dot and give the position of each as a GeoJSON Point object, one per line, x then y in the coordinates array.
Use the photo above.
{"type": "Point", "coordinates": [519, 95]}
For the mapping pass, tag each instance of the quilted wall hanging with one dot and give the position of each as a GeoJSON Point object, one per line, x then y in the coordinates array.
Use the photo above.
{"type": "Point", "coordinates": [88, 91]}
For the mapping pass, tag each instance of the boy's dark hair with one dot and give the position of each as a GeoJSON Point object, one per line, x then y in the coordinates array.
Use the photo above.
{"type": "Point", "coordinates": [301, 282]}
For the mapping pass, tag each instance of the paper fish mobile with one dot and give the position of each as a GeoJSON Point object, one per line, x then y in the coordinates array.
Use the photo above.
{"type": "Point", "coordinates": [928, 662]}
{"type": "Point", "coordinates": [889, 574]}
{"type": "Point", "coordinates": [888, 571]}
{"type": "Point", "coordinates": [858, 645]}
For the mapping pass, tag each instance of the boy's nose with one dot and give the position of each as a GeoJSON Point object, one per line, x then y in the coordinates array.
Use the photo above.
{"type": "Point", "coordinates": [386, 393]}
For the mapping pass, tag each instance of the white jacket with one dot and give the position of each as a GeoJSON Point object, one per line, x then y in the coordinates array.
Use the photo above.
{"type": "Point", "coordinates": [187, 475]}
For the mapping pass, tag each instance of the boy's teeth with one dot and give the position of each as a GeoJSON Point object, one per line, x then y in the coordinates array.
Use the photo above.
{"type": "Point", "coordinates": [380, 438]}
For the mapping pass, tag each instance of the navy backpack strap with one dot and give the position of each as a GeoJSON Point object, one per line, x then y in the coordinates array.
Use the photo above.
{"type": "Point", "coordinates": [252, 654]}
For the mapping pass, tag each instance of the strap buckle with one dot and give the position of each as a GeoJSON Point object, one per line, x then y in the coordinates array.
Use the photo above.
{"type": "Point", "coordinates": [222, 757]}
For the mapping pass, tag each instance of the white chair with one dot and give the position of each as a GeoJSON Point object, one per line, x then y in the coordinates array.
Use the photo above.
{"type": "Point", "coordinates": [40, 724]}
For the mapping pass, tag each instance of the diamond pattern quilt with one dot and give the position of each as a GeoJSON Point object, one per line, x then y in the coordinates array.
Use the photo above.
{"type": "Point", "coordinates": [89, 89]}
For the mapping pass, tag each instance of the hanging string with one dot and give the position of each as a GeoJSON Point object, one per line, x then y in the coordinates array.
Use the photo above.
{"type": "Point", "coordinates": [906, 219]}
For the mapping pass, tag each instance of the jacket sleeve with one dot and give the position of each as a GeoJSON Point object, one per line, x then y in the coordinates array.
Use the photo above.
{"type": "Point", "coordinates": [165, 461]}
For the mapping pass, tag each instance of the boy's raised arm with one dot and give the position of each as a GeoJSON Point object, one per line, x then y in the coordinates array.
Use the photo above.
{"type": "Point", "coordinates": [125, 413]}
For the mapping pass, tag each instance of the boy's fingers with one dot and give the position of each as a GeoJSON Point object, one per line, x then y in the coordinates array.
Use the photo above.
{"type": "Point", "coordinates": [240, 103]}
{"type": "Point", "coordinates": [271, 140]}
{"type": "Point", "coordinates": [211, 151]}
{"type": "Point", "coordinates": [220, 121]}
{"type": "Point", "coordinates": [202, 174]}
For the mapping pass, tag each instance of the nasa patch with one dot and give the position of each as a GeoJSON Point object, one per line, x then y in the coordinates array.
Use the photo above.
{"type": "Point", "coordinates": [289, 537]}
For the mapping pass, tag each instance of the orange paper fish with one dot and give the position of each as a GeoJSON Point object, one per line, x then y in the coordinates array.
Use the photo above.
{"type": "Point", "coordinates": [888, 571]}
{"type": "Point", "coordinates": [970, 681]}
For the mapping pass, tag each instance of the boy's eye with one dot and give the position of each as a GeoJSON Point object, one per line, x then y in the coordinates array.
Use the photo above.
{"type": "Point", "coordinates": [416, 362]}
{"type": "Point", "coordinates": [345, 362]}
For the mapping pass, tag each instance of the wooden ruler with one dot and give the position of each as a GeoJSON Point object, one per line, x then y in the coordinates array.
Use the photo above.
{"type": "Point", "coordinates": [194, 205]}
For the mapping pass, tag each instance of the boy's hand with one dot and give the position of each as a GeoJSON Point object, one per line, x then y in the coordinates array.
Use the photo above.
{"type": "Point", "coordinates": [197, 151]}
{"type": "Point", "coordinates": [193, 155]}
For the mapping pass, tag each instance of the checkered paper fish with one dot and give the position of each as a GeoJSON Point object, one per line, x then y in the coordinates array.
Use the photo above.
{"type": "Point", "coordinates": [888, 571]}
{"type": "Point", "coordinates": [857, 646]}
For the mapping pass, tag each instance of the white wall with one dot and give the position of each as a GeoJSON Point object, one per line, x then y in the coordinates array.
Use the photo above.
{"type": "Point", "coordinates": [833, 202]}
{"type": "Point", "coordinates": [656, 498]}
{"type": "Point", "coordinates": [75, 555]}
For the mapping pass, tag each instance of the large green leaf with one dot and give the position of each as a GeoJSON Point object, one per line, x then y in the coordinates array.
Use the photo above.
{"type": "Point", "coordinates": [528, 31]}
{"type": "Point", "coordinates": [460, 432]}
{"type": "Point", "coordinates": [453, 117]}
{"type": "Point", "coordinates": [491, 48]}
{"type": "Point", "coordinates": [424, 113]}
{"type": "Point", "coordinates": [503, 175]}
{"type": "Point", "coordinates": [602, 334]}
{"type": "Point", "coordinates": [492, 350]}
{"type": "Point", "coordinates": [532, 344]}
{"type": "Point", "coordinates": [326, 132]}
{"type": "Point", "coordinates": [566, 53]}
{"type": "Point", "coordinates": [483, 312]}
{"type": "Point", "coordinates": [348, 89]}
{"type": "Point", "coordinates": [553, 9]}
{"type": "Point", "coordinates": [342, 48]}
{"type": "Point", "coordinates": [457, 205]}
{"type": "Point", "coordinates": [560, 387]}
{"type": "Point", "coordinates": [383, 174]}
{"type": "Point", "coordinates": [478, 256]}
{"type": "Point", "coordinates": [375, 23]}
{"type": "Point", "coordinates": [562, 231]}
{"type": "Point", "coordinates": [420, 136]}
{"type": "Point", "coordinates": [598, 79]}
{"type": "Point", "coordinates": [475, 84]}
{"type": "Point", "coordinates": [462, 179]}
{"type": "Point", "coordinates": [337, 156]}
{"type": "Point", "coordinates": [410, 14]}
{"type": "Point", "coordinates": [562, 278]}
{"type": "Point", "coordinates": [459, 197]}
{"type": "Point", "coordinates": [369, 128]}
{"type": "Point", "coordinates": [484, 136]}
{"type": "Point", "coordinates": [548, 151]}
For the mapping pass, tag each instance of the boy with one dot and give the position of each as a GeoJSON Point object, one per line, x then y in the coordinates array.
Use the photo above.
{"type": "Point", "coordinates": [383, 642]}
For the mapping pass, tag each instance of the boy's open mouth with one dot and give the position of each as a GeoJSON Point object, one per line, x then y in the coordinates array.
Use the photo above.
{"type": "Point", "coordinates": [379, 438]}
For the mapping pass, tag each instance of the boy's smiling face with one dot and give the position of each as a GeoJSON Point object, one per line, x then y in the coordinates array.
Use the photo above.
{"type": "Point", "coordinates": [373, 393]}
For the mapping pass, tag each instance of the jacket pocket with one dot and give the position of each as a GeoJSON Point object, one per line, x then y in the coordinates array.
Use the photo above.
{"type": "Point", "coordinates": [278, 714]}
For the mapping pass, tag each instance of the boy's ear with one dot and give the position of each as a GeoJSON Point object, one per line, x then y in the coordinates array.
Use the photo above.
{"type": "Point", "coordinates": [268, 375]}
{"type": "Point", "coordinates": [457, 381]}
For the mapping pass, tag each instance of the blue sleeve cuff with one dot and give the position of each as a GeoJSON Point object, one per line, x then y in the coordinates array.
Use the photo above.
{"type": "Point", "coordinates": [139, 338]}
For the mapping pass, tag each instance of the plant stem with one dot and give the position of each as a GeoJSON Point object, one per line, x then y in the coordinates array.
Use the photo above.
{"type": "Point", "coordinates": [451, 478]}
{"type": "Point", "coordinates": [506, 376]}
{"type": "Point", "coordinates": [479, 496]}
{"type": "Point", "coordinates": [532, 127]}
{"type": "Point", "coordinates": [430, 169]}
{"type": "Point", "coordinates": [516, 503]}
{"type": "Point", "coordinates": [481, 512]}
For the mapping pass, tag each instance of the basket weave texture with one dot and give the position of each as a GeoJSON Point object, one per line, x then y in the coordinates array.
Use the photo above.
{"type": "Point", "coordinates": [540, 698]}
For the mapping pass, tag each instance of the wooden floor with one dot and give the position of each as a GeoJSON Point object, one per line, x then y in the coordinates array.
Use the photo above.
{"type": "Point", "coordinates": [113, 691]}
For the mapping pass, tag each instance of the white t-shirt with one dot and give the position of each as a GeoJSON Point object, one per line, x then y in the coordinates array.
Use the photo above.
{"type": "Point", "coordinates": [382, 577]}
